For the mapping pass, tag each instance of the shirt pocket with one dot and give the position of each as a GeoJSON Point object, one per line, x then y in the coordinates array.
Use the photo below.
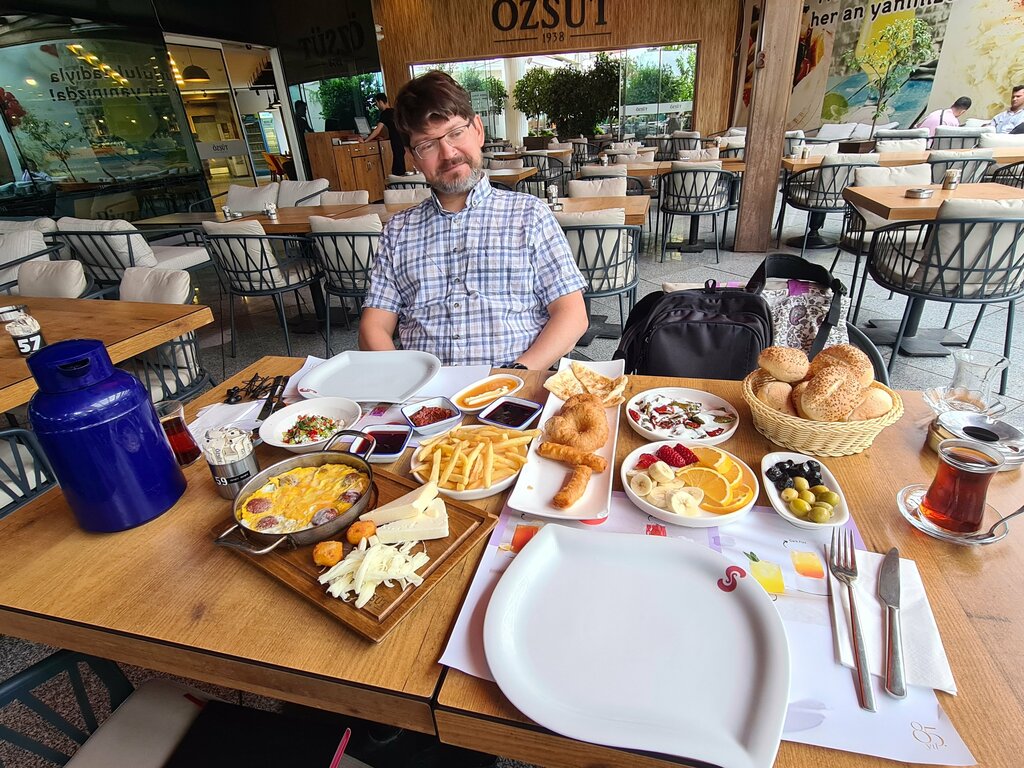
{"type": "Point", "coordinates": [502, 272]}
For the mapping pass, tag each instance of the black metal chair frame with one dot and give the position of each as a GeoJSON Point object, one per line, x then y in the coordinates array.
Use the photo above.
{"type": "Point", "coordinates": [663, 145]}
{"type": "Point", "coordinates": [20, 483]}
{"type": "Point", "coordinates": [954, 142]}
{"type": "Point", "coordinates": [584, 153]}
{"type": "Point", "coordinates": [830, 194]}
{"type": "Point", "coordinates": [972, 169]}
{"type": "Point", "coordinates": [345, 282]}
{"type": "Point", "coordinates": [550, 170]}
{"type": "Point", "coordinates": [718, 185]}
{"type": "Point", "coordinates": [242, 276]}
{"type": "Point", "coordinates": [1011, 175]}
{"type": "Point", "coordinates": [852, 240]}
{"type": "Point", "coordinates": [92, 291]}
{"type": "Point", "coordinates": [617, 248]}
{"type": "Point", "coordinates": [407, 185]}
{"type": "Point", "coordinates": [634, 188]}
{"type": "Point", "coordinates": [102, 264]}
{"type": "Point", "coordinates": [681, 144]}
{"type": "Point", "coordinates": [899, 252]}
{"type": "Point", "coordinates": [195, 206]}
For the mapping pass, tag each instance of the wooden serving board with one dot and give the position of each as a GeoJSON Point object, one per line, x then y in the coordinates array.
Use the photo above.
{"type": "Point", "coordinates": [389, 605]}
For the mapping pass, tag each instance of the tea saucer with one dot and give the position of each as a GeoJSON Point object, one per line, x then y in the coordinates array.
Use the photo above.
{"type": "Point", "coordinates": [909, 502]}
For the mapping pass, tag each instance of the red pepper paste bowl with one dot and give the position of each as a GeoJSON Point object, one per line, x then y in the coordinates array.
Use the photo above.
{"type": "Point", "coordinates": [431, 409]}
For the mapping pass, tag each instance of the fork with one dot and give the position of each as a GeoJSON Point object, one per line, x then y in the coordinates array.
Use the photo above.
{"type": "Point", "coordinates": [842, 561]}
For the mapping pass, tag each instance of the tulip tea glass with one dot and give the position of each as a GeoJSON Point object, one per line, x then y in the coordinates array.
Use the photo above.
{"type": "Point", "coordinates": [955, 501]}
{"type": "Point", "coordinates": [974, 380]}
{"type": "Point", "coordinates": [172, 419]}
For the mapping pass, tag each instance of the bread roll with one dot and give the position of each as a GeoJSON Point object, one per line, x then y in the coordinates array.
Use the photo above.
{"type": "Point", "coordinates": [798, 392]}
{"type": "Point", "coordinates": [877, 402]}
{"type": "Point", "coordinates": [784, 363]}
{"type": "Point", "coordinates": [831, 394]}
{"type": "Point", "coordinates": [776, 394]}
{"type": "Point", "coordinates": [848, 355]}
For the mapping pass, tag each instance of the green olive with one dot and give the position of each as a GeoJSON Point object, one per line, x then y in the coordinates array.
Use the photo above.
{"type": "Point", "coordinates": [819, 515]}
{"type": "Point", "coordinates": [830, 498]}
{"type": "Point", "coordinates": [824, 505]}
{"type": "Point", "coordinates": [800, 483]}
{"type": "Point", "coordinates": [820, 490]}
{"type": "Point", "coordinates": [807, 496]}
{"type": "Point", "coordinates": [799, 507]}
{"type": "Point", "coordinates": [788, 494]}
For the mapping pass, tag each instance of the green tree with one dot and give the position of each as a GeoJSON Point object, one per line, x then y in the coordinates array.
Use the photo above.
{"type": "Point", "coordinates": [346, 98]}
{"type": "Point", "coordinates": [687, 66]}
{"type": "Point", "coordinates": [531, 92]}
{"type": "Point", "coordinates": [578, 100]}
{"type": "Point", "coordinates": [648, 84]}
{"type": "Point", "coordinates": [890, 57]}
{"type": "Point", "coordinates": [472, 80]}
{"type": "Point", "coordinates": [51, 140]}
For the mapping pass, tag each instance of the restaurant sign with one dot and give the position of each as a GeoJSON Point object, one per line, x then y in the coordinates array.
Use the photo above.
{"type": "Point", "coordinates": [547, 21]}
{"type": "Point", "coordinates": [657, 108]}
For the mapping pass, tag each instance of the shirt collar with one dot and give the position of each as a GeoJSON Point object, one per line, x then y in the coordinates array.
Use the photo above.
{"type": "Point", "coordinates": [480, 192]}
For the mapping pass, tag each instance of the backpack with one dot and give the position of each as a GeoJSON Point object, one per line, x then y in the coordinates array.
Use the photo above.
{"type": "Point", "coordinates": [708, 333]}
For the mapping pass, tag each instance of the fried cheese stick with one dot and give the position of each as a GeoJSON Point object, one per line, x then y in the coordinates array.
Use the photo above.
{"type": "Point", "coordinates": [569, 455]}
{"type": "Point", "coordinates": [573, 487]}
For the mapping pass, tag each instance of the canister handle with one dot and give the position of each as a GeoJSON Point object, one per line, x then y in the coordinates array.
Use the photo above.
{"type": "Point", "coordinates": [244, 545]}
{"type": "Point", "coordinates": [356, 435]}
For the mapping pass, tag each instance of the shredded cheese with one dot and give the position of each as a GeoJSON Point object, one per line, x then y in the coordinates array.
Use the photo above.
{"type": "Point", "coordinates": [371, 564]}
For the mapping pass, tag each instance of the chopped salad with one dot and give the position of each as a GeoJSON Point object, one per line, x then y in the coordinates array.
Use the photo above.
{"type": "Point", "coordinates": [310, 429]}
{"type": "Point", "coordinates": [681, 418]}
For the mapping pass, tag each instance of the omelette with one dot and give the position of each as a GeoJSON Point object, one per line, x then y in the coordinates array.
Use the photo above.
{"type": "Point", "coordinates": [303, 497]}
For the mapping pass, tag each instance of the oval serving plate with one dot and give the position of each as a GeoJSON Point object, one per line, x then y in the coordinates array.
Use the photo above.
{"type": "Point", "coordinates": [704, 519]}
{"type": "Point", "coordinates": [706, 399]}
{"type": "Point", "coordinates": [840, 515]}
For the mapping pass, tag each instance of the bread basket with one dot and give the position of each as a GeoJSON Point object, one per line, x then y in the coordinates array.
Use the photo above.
{"type": "Point", "coordinates": [819, 438]}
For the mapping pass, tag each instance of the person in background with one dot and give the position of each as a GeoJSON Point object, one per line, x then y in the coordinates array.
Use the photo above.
{"type": "Point", "coordinates": [950, 116]}
{"type": "Point", "coordinates": [673, 124]}
{"type": "Point", "coordinates": [301, 123]}
{"type": "Point", "coordinates": [474, 275]}
{"type": "Point", "coordinates": [1006, 121]}
{"type": "Point", "coordinates": [386, 120]}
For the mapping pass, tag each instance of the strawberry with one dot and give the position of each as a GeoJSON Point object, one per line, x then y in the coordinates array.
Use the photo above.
{"type": "Point", "coordinates": [689, 457]}
{"type": "Point", "coordinates": [645, 460]}
{"type": "Point", "coordinates": [670, 456]}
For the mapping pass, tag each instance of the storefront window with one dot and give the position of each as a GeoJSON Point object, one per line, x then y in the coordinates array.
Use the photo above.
{"type": "Point", "coordinates": [340, 103]}
{"type": "Point", "coordinates": [485, 81]}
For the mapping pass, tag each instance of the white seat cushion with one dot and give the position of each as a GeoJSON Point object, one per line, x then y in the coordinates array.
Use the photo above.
{"type": "Point", "coordinates": [901, 145]}
{"type": "Point", "coordinates": [156, 286]}
{"type": "Point", "coordinates": [735, 131]}
{"type": "Point", "coordinates": [698, 155]}
{"type": "Point", "coordinates": [400, 196]}
{"type": "Point", "coordinates": [42, 224]}
{"type": "Point", "coordinates": [98, 254]}
{"type": "Point", "coordinates": [180, 256]}
{"type": "Point", "coordinates": [291, 192]}
{"type": "Point", "coordinates": [252, 198]}
{"type": "Point", "coordinates": [603, 170]}
{"type": "Point", "coordinates": [901, 133]}
{"type": "Point", "coordinates": [53, 279]}
{"type": "Point", "coordinates": [988, 140]}
{"type": "Point", "coordinates": [245, 254]}
{"type": "Point", "coordinates": [972, 251]}
{"type": "Point", "coordinates": [624, 159]}
{"type": "Point", "coordinates": [370, 223]}
{"type": "Point", "coordinates": [850, 158]}
{"type": "Point", "coordinates": [690, 165]}
{"type": "Point", "coordinates": [349, 259]}
{"type": "Point", "coordinates": [821, 150]}
{"type": "Point", "coordinates": [835, 131]}
{"type": "Point", "coordinates": [495, 164]}
{"type": "Point", "coordinates": [559, 145]}
{"type": "Point", "coordinates": [587, 256]}
{"type": "Point", "coordinates": [17, 245]}
{"type": "Point", "coordinates": [598, 188]}
{"type": "Point", "coordinates": [355, 197]}
{"type": "Point", "coordinates": [919, 175]}
{"type": "Point", "coordinates": [419, 178]}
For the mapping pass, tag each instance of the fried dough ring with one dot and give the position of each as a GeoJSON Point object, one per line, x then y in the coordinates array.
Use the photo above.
{"type": "Point", "coordinates": [573, 487]}
{"type": "Point", "coordinates": [569, 455]}
{"type": "Point", "coordinates": [583, 399]}
{"type": "Point", "coordinates": [583, 427]}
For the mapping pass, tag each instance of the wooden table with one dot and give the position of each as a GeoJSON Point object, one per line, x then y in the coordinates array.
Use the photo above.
{"type": "Point", "coordinates": [162, 596]}
{"type": "Point", "coordinates": [891, 202]}
{"type": "Point", "coordinates": [295, 221]}
{"type": "Point", "coordinates": [510, 176]}
{"type": "Point", "coordinates": [661, 167]}
{"type": "Point", "coordinates": [636, 206]}
{"type": "Point", "coordinates": [125, 328]}
{"type": "Point", "coordinates": [562, 154]}
{"type": "Point", "coordinates": [180, 220]}
{"type": "Point", "coordinates": [1002, 156]}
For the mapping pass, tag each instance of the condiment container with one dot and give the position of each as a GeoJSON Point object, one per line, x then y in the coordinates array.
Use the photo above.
{"type": "Point", "coordinates": [102, 435]}
{"type": "Point", "coordinates": [510, 413]}
{"type": "Point", "coordinates": [951, 179]}
{"type": "Point", "coordinates": [232, 459]}
{"type": "Point", "coordinates": [24, 329]}
{"type": "Point", "coordinates": [805, 152]}
{"type": "Point", "coordinates": [919, 193]}
{"type": "Point", "coordinates": [392, 440]}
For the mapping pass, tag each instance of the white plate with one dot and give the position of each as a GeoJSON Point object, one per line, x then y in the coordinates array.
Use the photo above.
{"type": "Point", "coordinates": [481, 493]}
{"type": "Point", "coordinates": [840, 515]}
{"type": "Point", "coordinates": [273, 428]}
{"type": "Point", "coordinates": [679, 393]}
{"type": "Point", "coordinates": [542, 478]}
{"type": "Point", "coordinates": [371, 377]}
{"type": "Point", "coordinates": [634, 642]}
{"type": "Point", "coordinates": [704, 519]}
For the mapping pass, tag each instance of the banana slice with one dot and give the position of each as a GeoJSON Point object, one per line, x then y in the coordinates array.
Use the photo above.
{"type": "Point", "coordinates": [696, 493]}
{"type": "Point", "coordinates": [658, 497]}
{"type": "Point", "coordinates": [641, 484]}
{"type": "Point", "coordinates": [661, 472]}
{"type": "Point", "coordinates": [682, 503]}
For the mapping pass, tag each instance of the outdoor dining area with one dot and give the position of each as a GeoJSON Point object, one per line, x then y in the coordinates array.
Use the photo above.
{"type": "Point", "coordinates": [512, 387]}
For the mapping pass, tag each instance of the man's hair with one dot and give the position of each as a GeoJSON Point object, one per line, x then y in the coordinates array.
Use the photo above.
{"type": "Point", "coordinates": [1017, 88]}
{"type": "Point", "coordinates": [380, 97]}
{"type": "Point", "coordinates": [430, 98]}
{"type": "Point", "coordinates": [964, 102]}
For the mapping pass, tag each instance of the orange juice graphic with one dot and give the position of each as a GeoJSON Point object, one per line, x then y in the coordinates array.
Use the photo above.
{"type": "Point", "coordinates": [768, 575]}
{"type": "Point", "coordinates": [807, 564]}
{"type": "Point", "coordinates": [522, 535]}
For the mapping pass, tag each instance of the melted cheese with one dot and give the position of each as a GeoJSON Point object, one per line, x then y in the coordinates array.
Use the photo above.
{"type": "Point", "coordinates": [297, 495]}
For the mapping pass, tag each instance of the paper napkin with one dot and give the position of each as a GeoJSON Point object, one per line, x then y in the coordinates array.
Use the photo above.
{"type": "Point", "coordinates": [924, 657]}
{"type": "Point", "coordinates": [222, 414]}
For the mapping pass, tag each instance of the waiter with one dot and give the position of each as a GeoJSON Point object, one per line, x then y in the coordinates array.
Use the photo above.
{"type": "Point", "coordinates": [386, 119]}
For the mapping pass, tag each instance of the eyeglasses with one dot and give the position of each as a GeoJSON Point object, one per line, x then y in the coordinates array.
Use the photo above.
{"type": "Point", "coordinates": [427, 149]}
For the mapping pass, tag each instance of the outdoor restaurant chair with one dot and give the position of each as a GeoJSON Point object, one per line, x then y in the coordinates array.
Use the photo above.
{"type": "Point", "coordinates": [406, 185]}
{"type": "Point", "coordinates": [584, 153]}
{"type": "Point", "coordinates": [495, 146]}
{"type": "Point", "coordinates": [820, 190]}
{"type": "Point", "coordinates": [684, 140]}
{"type": "Point", "coordinates": [882, 146]}
{"type": "Point", "coordinates": [606, 255]}
{"type": "Point", "coordinates": [57, 280]}
{"type": "Point", "coordinates": [107, 248]}
{"type": "Point", "coordinates": [702, 189]}
{"type": "Point", "coordinates": [345, 250]}
{"type": "Point", "coordinates": [242, 198]}
{"type": "Point", "coordinates": [354, 197]}
{"type": "Point", "coordinates": [275, 166]}
{"type": "Point", "coordinates": [957, 137]}
{"type": "Point", "coordinates": [1011, 175]}
{"type": "Point", "coordinates": [550, 170]}
{"type": "Point", "coordinates": [662, 145]}
{"type": "Point", "coordinates": [173, 369]}
{"type": "Point", "coordinates": [607, 186]}
{"type": "Point", "coordinates": [294, 194]}
{"type": "Point", "coordinates": [993, 140]}
{"type": "Point", "coordinates": [252, 263]}
{"type": "Point", "coordinates": [416, 194]}
{"type": "Point", "coordinates": [603, 171]}
{"type": "Point", "coordinates": [394, 179]}
{"type": "Point", "coordinates": [973, 253]}
{"type": "Point", "coordinates": [18, 248]}
{"type": "Point", "coordinates": [25, 473]}
{"type": "Point", "coordinates": [516, 163]}
{"type": "Point", "coordinates": [973, 164]}
{"type": "Point", "coordinates": [888, 134]}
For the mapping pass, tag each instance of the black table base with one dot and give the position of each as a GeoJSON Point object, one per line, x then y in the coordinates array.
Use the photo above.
{"type": "Point", "coordinates": [926, 342]}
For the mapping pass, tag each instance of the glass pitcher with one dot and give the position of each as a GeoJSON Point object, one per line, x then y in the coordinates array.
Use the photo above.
{"type": "Point", "coordinates": [974, 380]}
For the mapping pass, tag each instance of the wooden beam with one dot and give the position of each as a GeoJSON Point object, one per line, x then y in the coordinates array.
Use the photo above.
{"type": "Point", "coordinates": [769, 109]}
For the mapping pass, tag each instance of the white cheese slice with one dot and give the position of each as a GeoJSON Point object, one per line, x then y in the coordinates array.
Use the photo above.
{"type": "Point", "coordinates": [431, 524]}
{"type": "Point", "coordinates": [404, 507]}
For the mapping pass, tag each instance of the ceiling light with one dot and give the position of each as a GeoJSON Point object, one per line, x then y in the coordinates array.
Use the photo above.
{"type": "Point", "coordinates": [31, 81]}
{"type": "Point", "coordinates": [194, 74]}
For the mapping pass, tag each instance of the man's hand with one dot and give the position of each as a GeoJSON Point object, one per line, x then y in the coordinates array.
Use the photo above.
{"type": "Point", "coordinates": [376, 329]}
{"type": "Point", "coordinates": [567, 323]}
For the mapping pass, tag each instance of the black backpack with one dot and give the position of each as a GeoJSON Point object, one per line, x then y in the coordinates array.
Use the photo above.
{"type": "Point", "coordinates": [707, 333]}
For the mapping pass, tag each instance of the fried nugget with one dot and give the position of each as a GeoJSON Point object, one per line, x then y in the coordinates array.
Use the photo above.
{"type": "Point", "coordinates": [569, 455]}
{"type": "Point", "coordinates": [573, 487]}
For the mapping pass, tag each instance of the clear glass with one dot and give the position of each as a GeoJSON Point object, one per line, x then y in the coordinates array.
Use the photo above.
{"type": "Point", "coordinates": [955, 500]}
{"type": "Point", "coordinates": [974, 380]}
{"type": "Point", "coordinates": [172, 419]}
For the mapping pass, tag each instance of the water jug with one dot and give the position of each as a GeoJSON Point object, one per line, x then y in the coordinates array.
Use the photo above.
{"type": "Point", "coordinates": [102, 436]}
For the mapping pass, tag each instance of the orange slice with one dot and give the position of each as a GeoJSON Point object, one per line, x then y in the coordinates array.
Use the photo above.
{"type": "Point", "coordinates": [714, 484]}
{"type": "Point", "coordinates": [741, 496]}
{"type": "Point", "coordinates": [734, 473]}
{"type": "Point", "coordinates": [714, 458]}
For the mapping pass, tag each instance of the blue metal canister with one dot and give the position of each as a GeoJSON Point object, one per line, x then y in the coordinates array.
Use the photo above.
{"type": "Point", "coordinates": [102, 436]}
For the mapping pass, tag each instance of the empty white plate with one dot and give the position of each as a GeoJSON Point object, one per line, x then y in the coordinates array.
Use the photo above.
{"type": "Point", "coordinates": [371, 377]}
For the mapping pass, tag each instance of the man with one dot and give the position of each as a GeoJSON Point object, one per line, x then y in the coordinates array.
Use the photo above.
{"type": "Point", "coordinates": [474, 275]}
{"type": "Point", "coordinates": [386, 120]}
{"type": "Point", "coordinates": [673, 124]}
{"type": "Point", "coordinates": [949, 116]}
{"type": "Point", "coordinates": [1006, 121]}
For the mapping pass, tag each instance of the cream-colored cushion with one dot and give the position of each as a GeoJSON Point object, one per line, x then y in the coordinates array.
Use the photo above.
{"type": "Point", "coordinates": [696, 134]}
{"type": "Point", "coordinates": [355, 197]}
{"type": "Point", "coordinates": [42, 224]}
{"type": "Point", "coordinates": [834, 131]}
{"type": "Point", "coordinates": [863, 130]}
{"type": "Point", "coordinates": [901, 145]}
{"type": "Point", "coordinates": [155, 286]}
{"type": "Point", "coordinates": [822, 150]}
{"type": "Point", "coordinates": [823, 187]}
{"type": "Point", "coordinates": [18, 245]}
{"type": "Point", "coordinates": [690, 165]}
{"type": "Point", "coordinates": [736, 131]}
{"type": "Point", "coordinates": [989, 140]}
{"type": "Point", "coordinates": [603, 217]}
{"type": "Point", "coordinates": [252, 198]}
{"type": "Point", "coordinates": [970, 162]}
{"type": "Point", "coordinates": [180, 256]}
{"type": "Point", "coordinates": [54, 279]}
{"type": "Point", "coordinates": [400, 196]}
{"type": "Point", "coordinates": [623, 159]}
{"type": "Point", "coordinates": [850, 158]}
{"type": "Point", "coordinates": [919, 175]}
{"type": "Point", "coordinates": [370, 224]}
{"type": "Point", "coordinates": [603, 170]}
{"type": "Point", "coordinates": [559, 144]}
{"type": "Point", "coordinates": [942, 155]}
{"type": "Point", "coordinates": [646, 154]}
{"type": "Point", "coordinates": [702, 187]}
{"type": "Point", "coordinates": [608, 273]}
{"type": "Point", "coordinates": [901, 133]}
{"type": "Point", "coordinates": [496, 164]}
{"type": "Point", "coordinates": [245, 255]}
{"type": "Point", "coordinates": [698, 155]}
{"type": "Point", "coordinates": [416, 177]}
{"type": "Point", "coordinates": [956, 136]}
{"type": "Point", "coordinates": [598, 188]}
{"type": "Point", "coordinates": [735, 142]}
{"type": "Point", "coordinates": [96, 254]}
{"type": "Point", "coordinates": [291, 192]}
{"type": "Point", "coordinates": [971, 252]}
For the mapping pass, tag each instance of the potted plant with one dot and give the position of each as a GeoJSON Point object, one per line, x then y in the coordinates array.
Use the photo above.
{"type": "Point", "coordinates": [530, 95]}
{"type": "Point", "coordinates": [577, 100]}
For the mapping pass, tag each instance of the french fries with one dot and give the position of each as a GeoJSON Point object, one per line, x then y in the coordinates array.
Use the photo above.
{"type": "Point", "coordinates": [473, 458]}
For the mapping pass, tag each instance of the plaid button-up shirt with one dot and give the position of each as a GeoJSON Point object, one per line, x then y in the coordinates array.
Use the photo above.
{"type": "Point", "coordinates": [473, 287]}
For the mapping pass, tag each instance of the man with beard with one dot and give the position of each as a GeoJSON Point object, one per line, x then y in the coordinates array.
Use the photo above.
{"type": "Point", "coordinates": [473, 274]}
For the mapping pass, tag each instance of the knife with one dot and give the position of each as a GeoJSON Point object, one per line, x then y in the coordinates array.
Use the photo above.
{"type": "Point", "coordinates": [274, 398]}
{"type": "Point", "coordinates": [889, 593]}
